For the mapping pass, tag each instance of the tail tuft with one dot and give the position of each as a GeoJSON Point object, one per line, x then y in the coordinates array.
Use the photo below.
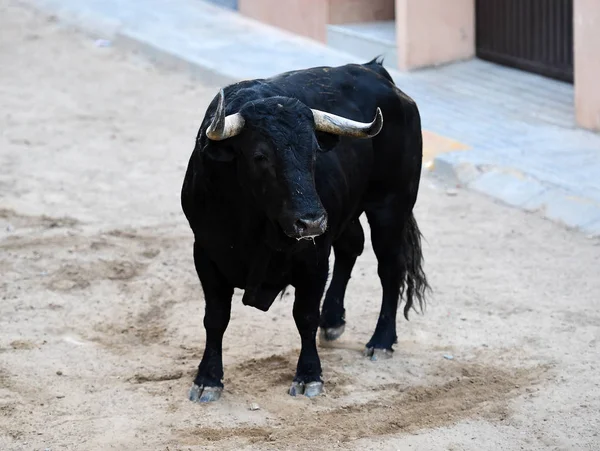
{"type": "Point", "coordinates": [415, 284]}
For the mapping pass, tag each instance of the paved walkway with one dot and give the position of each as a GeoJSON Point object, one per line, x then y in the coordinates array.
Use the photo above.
{"type": "Point", "coordinates": [499, 131]}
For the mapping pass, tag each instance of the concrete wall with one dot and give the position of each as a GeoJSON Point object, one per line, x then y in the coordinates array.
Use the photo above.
{"type": "Point", "coordinates": [587, 63]}
{"type": "Point", "coordinates": [349, 11]}
{"type": "Point", "coordinates": [310, 17]}
{"type": "Point", "coordinates": [430, 32]}
{"type": "Point", "coordinates": [304, 17]}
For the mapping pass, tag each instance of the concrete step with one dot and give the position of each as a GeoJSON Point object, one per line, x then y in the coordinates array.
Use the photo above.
{"type": "Point", "coordinates": [366, 40]}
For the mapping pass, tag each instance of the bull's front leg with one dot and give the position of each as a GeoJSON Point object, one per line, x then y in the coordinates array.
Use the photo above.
{"type": "Point", "coordinates": [208, 384]}
{"type": "Point", "coordinates": [309, 290]}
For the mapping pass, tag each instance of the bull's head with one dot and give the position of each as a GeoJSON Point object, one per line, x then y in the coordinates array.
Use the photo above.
{"type": "Point", "coordinates": [276, 150]}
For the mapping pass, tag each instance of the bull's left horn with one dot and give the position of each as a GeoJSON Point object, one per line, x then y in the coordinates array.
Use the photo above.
{"type": "Point", "coordinates": [338, 125]}
{"type": "Point", "coordinates": [223, 127]}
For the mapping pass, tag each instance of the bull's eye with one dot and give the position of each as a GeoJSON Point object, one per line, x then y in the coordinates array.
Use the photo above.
{"type": "Point", "coordinates": [259, 157]}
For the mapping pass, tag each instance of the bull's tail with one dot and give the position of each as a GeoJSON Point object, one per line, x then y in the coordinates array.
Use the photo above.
{"type": "Point", "coordinates": [415, 285]}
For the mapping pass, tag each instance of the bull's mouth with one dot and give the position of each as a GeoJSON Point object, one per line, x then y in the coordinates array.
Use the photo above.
{"type": "Point", "coordinates": [307, 237]}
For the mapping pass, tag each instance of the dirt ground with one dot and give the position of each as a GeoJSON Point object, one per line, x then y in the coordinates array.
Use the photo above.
{"type": "Point", "coordinates": [101, 311]}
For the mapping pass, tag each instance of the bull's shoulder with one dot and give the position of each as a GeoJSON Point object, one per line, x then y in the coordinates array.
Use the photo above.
{"type": "Point", "coordinates": [378, 78]}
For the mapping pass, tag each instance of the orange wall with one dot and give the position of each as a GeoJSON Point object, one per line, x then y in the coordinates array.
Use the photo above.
{"type": "Point", "coordinates": [430, 32]}
{"type": "Point", "coordinates": [348, 11]}
{"type": "Point", "coordinates": [305, 17]}
{"type": "Point", "coordinates": [587, 62]}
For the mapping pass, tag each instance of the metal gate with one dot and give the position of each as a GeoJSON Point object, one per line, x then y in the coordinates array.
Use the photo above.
{"type": "Point", "coordinates": [532, 35]}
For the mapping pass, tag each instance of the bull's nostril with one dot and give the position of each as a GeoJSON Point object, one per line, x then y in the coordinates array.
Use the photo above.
{"type": "Point", "coordinates": [300, 225]}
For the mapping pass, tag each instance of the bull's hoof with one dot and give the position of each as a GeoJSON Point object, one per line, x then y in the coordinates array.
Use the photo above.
{"type": "Point", "coordinates": [309, 390]}
{"type": "Point", "coordinates": [378, 354]}
{"type": "Point", "coordinates": [204, 394]}
{"type": "Point", "coordinates": [331, 333]}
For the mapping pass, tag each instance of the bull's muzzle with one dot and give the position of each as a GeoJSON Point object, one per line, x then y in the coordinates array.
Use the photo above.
{"type": "Point", "coordinates": [309, 226]}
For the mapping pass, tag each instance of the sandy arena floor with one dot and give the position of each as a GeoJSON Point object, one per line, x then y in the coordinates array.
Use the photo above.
{"type": "Point", "coordinates": [101, 311]}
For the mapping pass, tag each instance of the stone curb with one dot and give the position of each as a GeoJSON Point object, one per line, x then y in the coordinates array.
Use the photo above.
{"type": "Point", "coordinates": [131, 41]}
{"type": "Point", "coordinates": [82, 20]}
{"type": "Point", "coordinates": [199, 68]}
{"type": "Point", "coordinates": [520, 190]}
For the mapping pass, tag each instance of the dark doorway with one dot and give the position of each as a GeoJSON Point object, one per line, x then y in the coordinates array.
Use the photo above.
{"type": "Point", "coordinates": [532, 35]}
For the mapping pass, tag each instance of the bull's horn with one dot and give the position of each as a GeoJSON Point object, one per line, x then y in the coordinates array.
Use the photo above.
{"type": "Point", "coordinates": [338, 125]}
{"type": "Point", "coordinates": [223, 127]}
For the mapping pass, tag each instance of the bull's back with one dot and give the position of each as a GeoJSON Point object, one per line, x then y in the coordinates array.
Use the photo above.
{"type": "Point", "coordinates": [353, 90]}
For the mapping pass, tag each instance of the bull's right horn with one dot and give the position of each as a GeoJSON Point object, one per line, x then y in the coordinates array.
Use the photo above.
{"type": "Point", "coordinates": [223, 127]}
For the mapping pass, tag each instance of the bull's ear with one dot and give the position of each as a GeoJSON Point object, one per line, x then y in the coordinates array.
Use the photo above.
{"type": "Point", "coordinates": [219, 152]}
{"type": "Point", "coordinates": [327, 141]}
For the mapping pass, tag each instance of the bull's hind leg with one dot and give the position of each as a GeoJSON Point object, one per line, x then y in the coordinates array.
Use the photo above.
{"type": "Point", "coordinates": [347, 249]}
{"type": "Point", "coordinates": [397, 244]}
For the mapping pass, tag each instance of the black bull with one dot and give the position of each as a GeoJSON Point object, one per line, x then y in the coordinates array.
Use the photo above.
{"type": "Point", "coordinates": [281, 171]}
